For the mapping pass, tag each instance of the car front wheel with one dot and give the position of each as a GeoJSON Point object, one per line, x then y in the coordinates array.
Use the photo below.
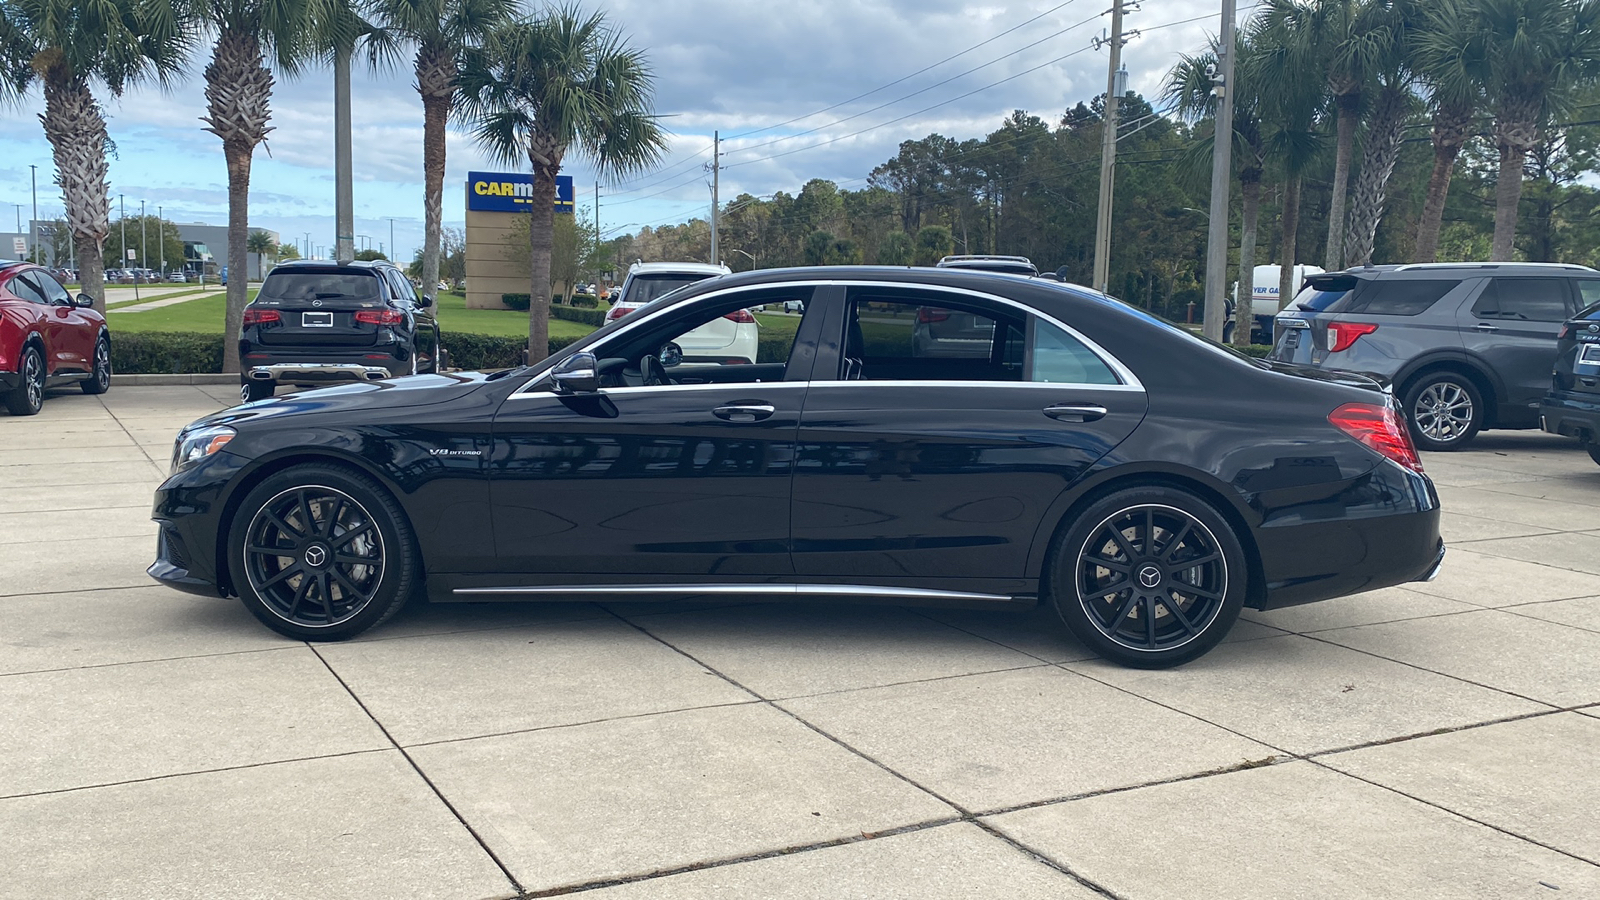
{"type": "Point", "coordinates": [322, 553]}
{"type": "Point", "coordinates": [1149, 577]}
{"type": "Point", "coordinates": [251, 391]}
{"type": "Point", "coordinates": [27, 398]}
{"type": "Point", "coordinates": [1444, 411]}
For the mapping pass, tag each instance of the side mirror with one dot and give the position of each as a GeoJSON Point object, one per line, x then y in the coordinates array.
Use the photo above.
{"type": "Point", "coordinates": [84, 301]}
{"type": "Point", "coordinates": [577, 374]}
{"type": "Point", "coordinates": [425, 302]}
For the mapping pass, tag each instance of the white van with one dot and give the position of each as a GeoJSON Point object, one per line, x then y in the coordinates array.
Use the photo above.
{"type": "Point", "coordinates": [1264, 305]}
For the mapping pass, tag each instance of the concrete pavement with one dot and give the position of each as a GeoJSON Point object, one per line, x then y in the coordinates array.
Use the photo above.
{"type": "Point", "coordinates": [1432, 741]}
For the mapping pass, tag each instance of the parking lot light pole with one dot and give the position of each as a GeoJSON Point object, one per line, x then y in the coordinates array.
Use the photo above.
{"type": "Point", "coordinates": [33, 225]}
{"type": "Point", "coordinates": [161, 241]}
{"type": "Point", "coordinates": [144, 247]}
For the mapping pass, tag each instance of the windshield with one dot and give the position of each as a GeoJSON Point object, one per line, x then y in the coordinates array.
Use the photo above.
{"type": "Point", "coordinates": [644, 289]}
{"type": "Point", "coordinates": [304, 287]}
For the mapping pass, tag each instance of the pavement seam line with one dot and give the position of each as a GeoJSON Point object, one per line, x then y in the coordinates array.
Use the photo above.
{"type": "Point", "coordinates": [193, 772]}
{"type": "Point", "coordinates": [964, 813]}
{"type": "Point", "coordinates": [541, 728]}
{"type": "Point", "coordinates": [110, 412]}
{"type": "Point", "coordinates": [140, 662]}
{"type": "Point", "coordinates": [484, 845]}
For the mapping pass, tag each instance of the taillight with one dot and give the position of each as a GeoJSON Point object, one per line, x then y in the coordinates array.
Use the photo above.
{"type": "Point", "coordinates": [260, 317]}
{"type": "Point", "coordinates": [1566, 331]}
{"type": "Point", "coordinates": [1342, 334]}
{"type": "Point", "coordinates": [742, 316]}
{"type": "Point", "coordinates": [1379, 428]}
{"type": "Point", "coordinates": [380, 317]}
{"type": "Point", "coordinates": [617, 312]}
{"type": "Point", "coordinates": [928, 314]}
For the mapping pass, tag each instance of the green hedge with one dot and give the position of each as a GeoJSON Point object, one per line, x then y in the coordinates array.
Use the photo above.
{"type": "Point", "coordinates": [1259, 351]}
{"type": "Point", "coordinates": [586, 301]}
{"type": "Point", "coordinates": [579, 301]}
{"type": "Point", "coordinates": [174, 352]}
{"type": "Point", "coordinates": [165, 352]}
{"type": "Point", "coordinates": [517, 301]}
{"type": "Point", "coordinates": [593, 317]}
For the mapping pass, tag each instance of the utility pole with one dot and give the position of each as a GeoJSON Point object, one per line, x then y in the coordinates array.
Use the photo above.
{"type": "Point", "coordinates": [1108, 156]}
{"type": "Point", "coordinates": [716, 171]}
{"type": "Point", "coordinates": [33, 224]}
{"type": "Point", "coordinates": [1221, 182]}
{"type": "Point", "coordinates": [144, 247]}
{"type": "Point", "coordinates": [597, 212]}
{"type": "Point", "coordinates": [161, 240]}
{"type": "Point", "coordinates": [391, 237]}
{"type": "Point", "coordinates": [344, 169]}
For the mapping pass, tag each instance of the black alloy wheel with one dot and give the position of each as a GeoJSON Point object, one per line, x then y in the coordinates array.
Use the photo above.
{"type": "Point", "coordinates": [100, 377]}
{"type": "Point", "coordinates": [1149, 577]}
{"type": "Point", "coordinates": [1444, 411]}
{"type": "Point", "coordinates": [27, 398]}
{"type": "Point", "coordinates": [322, 553]}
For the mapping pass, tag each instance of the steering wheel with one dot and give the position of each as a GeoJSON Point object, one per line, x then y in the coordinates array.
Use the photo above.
{"type": "Point", "coordinates": [652, 371]}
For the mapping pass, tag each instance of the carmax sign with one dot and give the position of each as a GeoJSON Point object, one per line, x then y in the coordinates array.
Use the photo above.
{"type": "Point", "coordinates": [511, 192]}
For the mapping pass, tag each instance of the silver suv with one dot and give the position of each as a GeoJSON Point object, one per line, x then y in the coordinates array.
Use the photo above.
{"type": "Point", "coordinates": [1467, 346]}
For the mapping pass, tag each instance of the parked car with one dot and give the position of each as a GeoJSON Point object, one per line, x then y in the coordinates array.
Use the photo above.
{"type": "Point", "coordinates": [735, 338]}
{"type": "Point", "coordinates": [1108, 470]}
{"type": "Point", "coordinates": [1572, 407]}
{"type": "Point", "coordinates": [316, 322]}
{"type": "Point", "coordinates": [1264, 305]}
{"type": "Point", "coordinates": [1467, 346]}
{"type": "Point", "coordinates": [177, 278]}
{"type": "Point", "coordinates": [47, 339]}
{"type": "Point", "coordinates": [1013, 265]}
{"type": "Point", "coordinates": [794, 306]}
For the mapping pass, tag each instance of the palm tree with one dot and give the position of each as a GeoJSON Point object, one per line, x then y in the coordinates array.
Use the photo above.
{"type": "Point", "coordinates": [238, 97]}
{"type": "Point", "coordinates": [70, 47]}
{"type": "Point", "coordinates": [1452, 105]}
{"type": "Point", "coordinates": [442, 31]}
{"type": "Point", "coordinates": [537, 88]}
{"type": "Point", "coordinates": [1338, 39]}
{"type": "Point", "coordinates": [260, 243]}
{"type": "Point", "coordinates": [1189, 91]}
{"type": "Point", "coordinates": [1389, 28]}
{"type": "Point", "coordinates": [1524, 55]}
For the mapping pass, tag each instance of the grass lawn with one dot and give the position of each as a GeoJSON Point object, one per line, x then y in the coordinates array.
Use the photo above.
{"type": "Point", "coordinates": [203, 315]}
{"type": "Point", "coordinates": [454, 316]}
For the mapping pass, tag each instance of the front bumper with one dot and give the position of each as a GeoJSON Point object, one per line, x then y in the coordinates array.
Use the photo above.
{"type": "Point", "coordinates": [9, 381]}
{"type": "Point", "coordinates": [190, 509]}
{"type": "Point", "coordinates": [1571, 414]}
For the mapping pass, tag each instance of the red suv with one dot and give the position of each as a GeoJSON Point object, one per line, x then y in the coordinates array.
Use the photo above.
{"type": "Point", "coordinates": [47, 339]}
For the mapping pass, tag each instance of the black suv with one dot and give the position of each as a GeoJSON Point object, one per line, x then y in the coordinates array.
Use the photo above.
{"type": "Point", "coordinates": [1572, 407]}
{"type": "Point", "coordinates": [1466, 345]}
{"type": "Point", "coordinates": [316, 323]}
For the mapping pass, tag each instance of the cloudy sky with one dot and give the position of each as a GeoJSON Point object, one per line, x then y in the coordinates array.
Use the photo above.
{"type": "Point", "coordinates": [799, 89]}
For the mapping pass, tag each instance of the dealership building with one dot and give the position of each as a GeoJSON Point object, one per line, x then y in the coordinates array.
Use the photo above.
{"type": "Point", "coordinates": [199, 241]}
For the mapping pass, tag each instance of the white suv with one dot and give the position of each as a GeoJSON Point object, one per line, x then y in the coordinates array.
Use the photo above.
{"type": "Point", "coordinates": [732, 338]}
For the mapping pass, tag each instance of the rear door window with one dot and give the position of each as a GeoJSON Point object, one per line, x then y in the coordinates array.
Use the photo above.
{"type": "Point", "coordinates": [1398, 297]}
{"type": "Point", "coordinates": [1589, 294]}
{"type": "Point", "coordinates": [1523, 300]}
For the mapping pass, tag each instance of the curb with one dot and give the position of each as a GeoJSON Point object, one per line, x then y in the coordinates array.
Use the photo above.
{"type": "Point", "coordinates": [192, 378]}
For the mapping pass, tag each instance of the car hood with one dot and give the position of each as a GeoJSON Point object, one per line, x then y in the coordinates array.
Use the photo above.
{"type": "Point", "coordinates": [1329, 376]}
{"type": "Point", "coordinates": [398, 393]}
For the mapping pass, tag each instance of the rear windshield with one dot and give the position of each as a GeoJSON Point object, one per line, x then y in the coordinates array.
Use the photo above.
{"type": "Point", "coordinates": [1394, 298]}
{"type": "Point", "coordinates": [301, 286]}
{"type": "Point", "coordinates": [646, 288]}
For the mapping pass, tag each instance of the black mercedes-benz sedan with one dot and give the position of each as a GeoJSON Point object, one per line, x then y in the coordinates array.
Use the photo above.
{"type": "Point", "coordinates": [1063, 448]}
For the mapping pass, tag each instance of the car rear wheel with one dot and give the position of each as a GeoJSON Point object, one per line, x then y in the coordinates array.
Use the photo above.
{"type": "Point", "coordinates": [27, 398]}
{"type": "Point", "coordinates": [100, 380]}
{"type": "Point", "coordinates": [1444, 411]}
{"type": "Point", "coordinates": [322, 553]}
{"type": "Point", "coordinates": [1149, 577]}
{"type": "Point", "coordinates": [251, 391]}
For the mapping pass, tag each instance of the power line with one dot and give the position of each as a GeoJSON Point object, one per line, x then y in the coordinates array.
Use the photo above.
{"type": "Point", "coordinates": [907, 77]}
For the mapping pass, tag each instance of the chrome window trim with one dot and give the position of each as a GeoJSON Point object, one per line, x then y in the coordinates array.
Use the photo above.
{"type": "Point", "coordinates": [1130, 381]}
{"type": "Point", "coordinates": [786, 590]}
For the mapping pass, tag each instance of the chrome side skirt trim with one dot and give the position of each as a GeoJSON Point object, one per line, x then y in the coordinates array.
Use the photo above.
{"type": "Point", "coordinates": [786, 590]}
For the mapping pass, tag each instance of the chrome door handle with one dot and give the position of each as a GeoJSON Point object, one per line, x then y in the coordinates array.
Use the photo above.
{"type": "Point", "coordinates": [744, 412]}
{"type": "Point", "coordinates": [1076, 412]}
{"type": "Point", "coordinates": [1485, 326]}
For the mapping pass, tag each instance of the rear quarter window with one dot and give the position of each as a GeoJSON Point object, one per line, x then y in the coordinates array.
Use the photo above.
{"type": "Point", "coordinates": [1399, 297]}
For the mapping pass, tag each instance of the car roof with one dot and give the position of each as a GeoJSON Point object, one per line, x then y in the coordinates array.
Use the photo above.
{"type": "Point", "coordinates": [331, 264]}
{"type": "Point", "coordinates": [685, 268]}
{"type": "Point", "coordinates": [1462, 269]}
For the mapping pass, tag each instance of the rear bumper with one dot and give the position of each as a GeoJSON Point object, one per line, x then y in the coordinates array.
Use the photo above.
{"type": "Point", "coordinates": [319, 373]}
{"type": "Point", "coordinates": [309, 367]}
{"type": "Point", "coordinates": [1571, 414]}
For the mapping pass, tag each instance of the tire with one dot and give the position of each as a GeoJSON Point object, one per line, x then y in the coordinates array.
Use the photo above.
{"type": "Point", "coordinates": [354, 566]}
{"type": "Point", "coordinates": [1444, 411]}
{"type": "Point", "coordinates": [100, 380]}
{"type": "Point", "coordinates": [27, 398]}
{"type": "Point", "coordinates": [1111, 583]}
{"type": "Point", "coordinates": [1227, 333]}
{"type": "Point", "coordinates": [251, 391]}
{"type": "Point", "coordinates": [433, 361]}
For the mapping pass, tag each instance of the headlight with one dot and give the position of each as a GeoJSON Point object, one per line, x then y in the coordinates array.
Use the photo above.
{"type": "Point", "coordinates": [193, 446]}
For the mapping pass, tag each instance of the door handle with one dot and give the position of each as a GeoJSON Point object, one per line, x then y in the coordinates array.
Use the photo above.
{"type": "Point", "coordinates": [1076, 412]}
{"type": "Point", "coordinates": [1485, 326]}
{"type": "Point", "coordinates": [749, 411]}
